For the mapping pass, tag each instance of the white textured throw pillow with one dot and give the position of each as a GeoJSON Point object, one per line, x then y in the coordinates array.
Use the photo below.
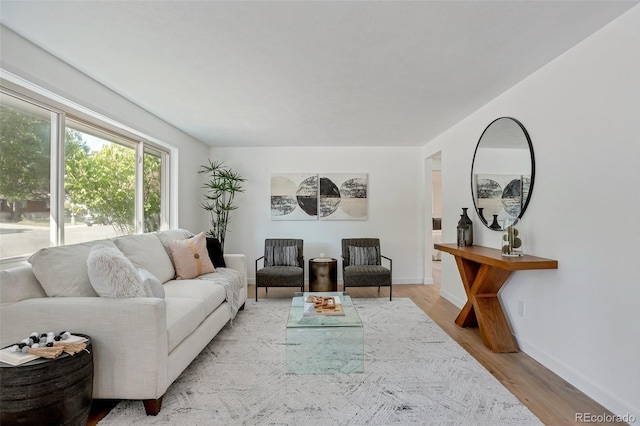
{"type": "Point", "coordinates": [152, 285]}
{"type": "Point", "coordinates": [113, 275]}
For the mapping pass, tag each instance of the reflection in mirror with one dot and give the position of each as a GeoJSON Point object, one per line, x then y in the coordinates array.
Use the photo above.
{"type": "Point", "coordinates": [502, 172]}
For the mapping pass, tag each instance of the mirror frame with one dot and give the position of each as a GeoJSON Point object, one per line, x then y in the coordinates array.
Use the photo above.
{"type": "Point", "coordinates": [533, 168]}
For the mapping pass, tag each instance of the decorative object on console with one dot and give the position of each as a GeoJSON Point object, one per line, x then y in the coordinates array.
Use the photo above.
{"type": "Point", "coordinates": [512, 238]}
{"type": "Point", "coordinates": [495, 225]}
{"type": "Point", "coordinates": [222, 186]}
{"type": "Point", "coordinates": [469, 232]}
{"type": "Point", "coordinates": [461, 232]}
{"type": "Point", "coordinates": [465, 229]}
{"type": "Point", "coordinates": [502, 172]}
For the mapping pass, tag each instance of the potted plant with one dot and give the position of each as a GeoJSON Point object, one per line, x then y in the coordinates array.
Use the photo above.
{"type": "Point", "coordinates": [222, 186]}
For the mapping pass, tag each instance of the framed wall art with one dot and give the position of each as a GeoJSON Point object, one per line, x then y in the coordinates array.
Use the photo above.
{"type": "Point", "coordinates": [312, 196]}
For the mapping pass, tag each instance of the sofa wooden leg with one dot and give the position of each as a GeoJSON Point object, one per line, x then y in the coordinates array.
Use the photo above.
{"type": "Point", "coordinates": [241, 307]}
{"type": "Point", "coordinates": [152, 406]}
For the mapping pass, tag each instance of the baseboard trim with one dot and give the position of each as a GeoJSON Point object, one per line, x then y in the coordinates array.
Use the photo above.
{"type": "Point", "coordinates": [451, 298]}
{"type": "Point", "coordinates": [584, 384]}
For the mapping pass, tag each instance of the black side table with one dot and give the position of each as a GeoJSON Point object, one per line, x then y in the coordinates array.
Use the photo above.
{"type": "Point", "coordinates": [323, 274]}
{"type": "Point", "coordinates": [48, 391]}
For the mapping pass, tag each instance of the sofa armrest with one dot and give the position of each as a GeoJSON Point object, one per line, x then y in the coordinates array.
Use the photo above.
{"type": "Point", "coordinates": [129, 338]}
{"type": "Point", "coordinates": [237, 262]}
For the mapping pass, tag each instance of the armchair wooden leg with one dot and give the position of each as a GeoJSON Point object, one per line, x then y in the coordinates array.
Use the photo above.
{"type": "Point", "coordinates": [256, 292]}
{"type": "Point", "coordinates": [152, 406]}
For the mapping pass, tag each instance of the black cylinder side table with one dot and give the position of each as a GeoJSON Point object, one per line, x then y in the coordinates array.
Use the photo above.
{"type": "Point", "coordinates": [48, 391]}
{"type": "Point", "coordinates": [323, 274]}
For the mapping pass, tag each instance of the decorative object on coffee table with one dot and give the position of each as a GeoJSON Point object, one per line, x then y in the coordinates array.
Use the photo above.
{"type": "Point", "coordinates": [48, 391]}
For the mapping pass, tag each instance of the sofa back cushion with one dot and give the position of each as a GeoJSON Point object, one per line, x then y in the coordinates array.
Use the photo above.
{"type": "Point", "coordinates": [62, 270]}
{"type": "Point", "coordinates": [146, 251]}
{"type": "Point", "coordinates": [170, 235]}
{"type": "Point", "coordinates": [18, 284]}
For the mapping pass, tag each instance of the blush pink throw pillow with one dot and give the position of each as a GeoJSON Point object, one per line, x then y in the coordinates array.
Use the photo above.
{"type": "Point", "coordinates": [190, 257]}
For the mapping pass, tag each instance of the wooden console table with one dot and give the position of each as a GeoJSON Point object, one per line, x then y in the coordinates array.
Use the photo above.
{"type": "Point", "coordinates": [484, 271]}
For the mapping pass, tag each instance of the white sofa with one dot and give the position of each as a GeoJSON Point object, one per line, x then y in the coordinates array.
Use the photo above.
{"type": "Point", "coordinates": [140, 345]}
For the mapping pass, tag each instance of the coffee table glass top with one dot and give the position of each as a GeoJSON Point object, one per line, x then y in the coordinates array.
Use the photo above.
{"type": "Point", "coordinates": [298, 320]}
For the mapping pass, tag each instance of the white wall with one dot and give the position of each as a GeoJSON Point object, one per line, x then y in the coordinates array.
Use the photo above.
{"type": "Point", "coordinates": [582, 112]}
{"type": "Point", "coordinates": [395, 203]}
{"type": "Point", "coordinates": [26, 61]}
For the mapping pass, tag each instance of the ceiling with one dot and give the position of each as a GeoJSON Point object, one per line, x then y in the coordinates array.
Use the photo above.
{"type": "Point", "coordinates": [309, 73]}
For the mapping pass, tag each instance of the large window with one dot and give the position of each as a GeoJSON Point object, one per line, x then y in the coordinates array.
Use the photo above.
{"type": "Point", "coordinates": [25, 159]}
{"type": "Point", "coordinates": [85, 182]}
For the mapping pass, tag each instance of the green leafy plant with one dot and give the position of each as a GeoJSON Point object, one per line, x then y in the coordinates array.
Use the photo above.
{"type": "Point", "coordinates": [222, 186]}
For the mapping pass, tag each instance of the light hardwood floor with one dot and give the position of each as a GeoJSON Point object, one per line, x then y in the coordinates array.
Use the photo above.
{"type": "Point", "coordinates": [549, 397]}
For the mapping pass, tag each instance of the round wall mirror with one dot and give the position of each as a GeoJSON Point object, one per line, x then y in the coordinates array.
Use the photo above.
{"type": "Point", "coordinates": [502, 172]}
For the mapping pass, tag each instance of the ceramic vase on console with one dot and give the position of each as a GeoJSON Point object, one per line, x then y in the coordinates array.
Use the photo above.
{"type": "Point", "coordinates": [512, 238]}
{"type": "Point", "coordinates": [469, 235]}
{"type": "Point", "coordinates": [461, 232]}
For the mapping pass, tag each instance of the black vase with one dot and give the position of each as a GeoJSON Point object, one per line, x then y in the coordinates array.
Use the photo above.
{"type": "Point", "coordinates": [469, 234]}
{"type": "Point", "coordinates": [495, 225]}
{"type": "Point", "coordinates": [462, 232]}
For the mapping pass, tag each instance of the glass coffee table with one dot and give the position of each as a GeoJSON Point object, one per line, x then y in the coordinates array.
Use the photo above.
{"type": "Point", "coordinates": [324, 344]}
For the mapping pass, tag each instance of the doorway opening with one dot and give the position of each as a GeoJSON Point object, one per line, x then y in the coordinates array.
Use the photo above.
{"type": "Point", "coordinates": [436, 216]}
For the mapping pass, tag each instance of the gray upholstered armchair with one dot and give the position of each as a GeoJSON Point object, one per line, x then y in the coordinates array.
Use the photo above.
{"type": "Point", "coordinates": [283, 264]}
{"type": "Point", "coordinates": [362, 264]}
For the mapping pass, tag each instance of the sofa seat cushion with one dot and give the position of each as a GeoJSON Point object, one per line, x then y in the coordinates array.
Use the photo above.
{"type": "Point", "coordinates": [209, 294]}
{"type": "Point", "coordinates": [184, 315]}
{"type": "Point", "coordinates": [233, 282]}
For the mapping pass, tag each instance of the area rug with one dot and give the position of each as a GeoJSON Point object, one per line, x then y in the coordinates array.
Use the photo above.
{"type": "Point", "coordinates": [414, 373]}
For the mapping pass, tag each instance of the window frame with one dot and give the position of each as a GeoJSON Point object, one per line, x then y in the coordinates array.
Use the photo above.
{"type": "Point", "coordinates": [62, 110]}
